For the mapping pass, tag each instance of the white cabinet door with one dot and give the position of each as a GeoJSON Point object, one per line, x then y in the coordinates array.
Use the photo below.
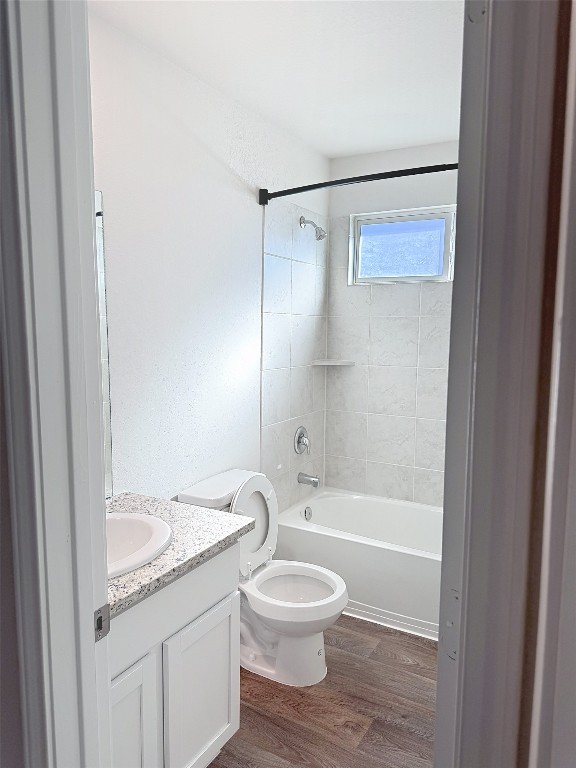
{"type": "Point", "coordinates": [136, 719]}
{"type": "Point", "coordinates": [202, 686]}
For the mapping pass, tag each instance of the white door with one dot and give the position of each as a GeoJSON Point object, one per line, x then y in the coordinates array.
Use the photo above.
{"type": "Point", "coordinates": [202, 686]}
{"type": "Point", "coordinates": [50, 358]}
{"type": "Point", "coordinates": [136, 716]}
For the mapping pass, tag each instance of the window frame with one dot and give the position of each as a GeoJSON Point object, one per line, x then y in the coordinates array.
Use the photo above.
{"type": "Point", "coordinates": [446, 212]}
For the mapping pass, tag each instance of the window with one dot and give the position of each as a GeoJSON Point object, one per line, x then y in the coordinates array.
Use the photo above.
{"type": "Point", "coordinates": [402, 246]}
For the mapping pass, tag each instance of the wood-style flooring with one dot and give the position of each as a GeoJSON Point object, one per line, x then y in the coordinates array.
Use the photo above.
{"type": "Point", "coordinates": [374, 709]}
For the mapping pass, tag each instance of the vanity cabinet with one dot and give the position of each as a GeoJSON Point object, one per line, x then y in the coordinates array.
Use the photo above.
{"type": "Point", "coordinates": [175, 691]}
{"type": "Point", "coordinates": [136, 717]}
{"type": "Point", "coordinates": [202, 686]}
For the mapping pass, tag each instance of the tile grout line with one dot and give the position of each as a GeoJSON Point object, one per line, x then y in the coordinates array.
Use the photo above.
{"type": "Point", "coordinates": [368, 386]}
{"type": "Point", "coordinates": [388, 464]}
{"type": "Point", "coordinates": [417, 380]}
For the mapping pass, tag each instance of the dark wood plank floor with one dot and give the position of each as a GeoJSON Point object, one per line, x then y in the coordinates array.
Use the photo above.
{"type": "Point", "coordinates": [374, 709]}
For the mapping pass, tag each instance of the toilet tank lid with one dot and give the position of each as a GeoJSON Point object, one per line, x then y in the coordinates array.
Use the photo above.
{"type": "Point", "coordinates": [216, 491]}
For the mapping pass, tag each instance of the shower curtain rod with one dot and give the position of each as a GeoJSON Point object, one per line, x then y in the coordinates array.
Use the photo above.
{"type": "Point", "coordinates": [264, 196]}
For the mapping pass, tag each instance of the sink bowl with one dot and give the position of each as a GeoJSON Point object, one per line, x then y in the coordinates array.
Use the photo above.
{"type": "Point", "coordinates": [133, 540]}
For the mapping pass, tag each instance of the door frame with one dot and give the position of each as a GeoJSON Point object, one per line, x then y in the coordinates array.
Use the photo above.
{"type": "Point", "coordinates": [51, 377]}
{"type": "Point", "coordinates": [510, 171]}
{"type": "Point", "coordinates": [51, 382]}
{"type": "Point", "coordinates": [553, 710]}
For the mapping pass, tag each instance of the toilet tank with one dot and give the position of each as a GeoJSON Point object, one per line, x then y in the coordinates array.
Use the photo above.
{"type": "Point", "coordinates": [216, 492]}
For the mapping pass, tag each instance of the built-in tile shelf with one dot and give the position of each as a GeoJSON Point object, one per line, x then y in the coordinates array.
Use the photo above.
{"type": "Point", "coordinates": [333, 362]}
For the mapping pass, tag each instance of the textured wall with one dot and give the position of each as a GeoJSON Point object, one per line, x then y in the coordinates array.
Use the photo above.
{"type": "Point", "coordinates": [179, 164]}
{"type": "Point", "coordinates": [294, 334]}
{"type": "Point", "coordinates": [386, 417]}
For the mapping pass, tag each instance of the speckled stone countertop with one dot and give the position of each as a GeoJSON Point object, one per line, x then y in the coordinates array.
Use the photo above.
{"type": "Point", "coordinates": [197, 535]}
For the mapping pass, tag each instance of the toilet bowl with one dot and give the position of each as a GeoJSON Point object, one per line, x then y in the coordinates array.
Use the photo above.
{"type": "Point", "coordinates": [285, 606]}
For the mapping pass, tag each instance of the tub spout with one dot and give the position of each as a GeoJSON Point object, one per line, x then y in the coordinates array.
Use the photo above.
{"type": "Point", "coordinates": [308, 479]}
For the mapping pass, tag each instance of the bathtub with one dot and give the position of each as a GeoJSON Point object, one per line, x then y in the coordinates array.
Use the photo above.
{"type": "Point", "coordinates": [387, 551]}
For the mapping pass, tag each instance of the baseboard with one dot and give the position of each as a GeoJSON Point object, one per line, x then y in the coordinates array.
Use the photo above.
{"type": "Point", "coordinates": [392, 620]}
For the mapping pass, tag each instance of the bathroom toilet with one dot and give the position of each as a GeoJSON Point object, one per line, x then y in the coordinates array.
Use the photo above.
{"type": "Point", "coordinates": [285, 606]}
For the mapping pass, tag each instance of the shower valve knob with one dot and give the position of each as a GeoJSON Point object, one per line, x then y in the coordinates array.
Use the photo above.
{"type": "Point", "coordinates": [301, 440]}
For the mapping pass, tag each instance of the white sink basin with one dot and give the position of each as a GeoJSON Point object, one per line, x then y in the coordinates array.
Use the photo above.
{"type": "Point", "coordinates": [134, 540]}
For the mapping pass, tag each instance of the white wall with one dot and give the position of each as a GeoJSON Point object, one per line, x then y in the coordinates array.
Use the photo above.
{"type": "Point", "coordinates": [179, 165]}
{"type": "Point", "coordinates": [386, 416]}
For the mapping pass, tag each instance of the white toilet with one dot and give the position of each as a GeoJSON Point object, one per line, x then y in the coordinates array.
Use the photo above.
{"type": "Point", "coordinates": [285, 605]}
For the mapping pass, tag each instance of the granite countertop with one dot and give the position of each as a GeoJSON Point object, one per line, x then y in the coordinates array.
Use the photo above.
{"type": "Point", "coordinates": [197, 535]}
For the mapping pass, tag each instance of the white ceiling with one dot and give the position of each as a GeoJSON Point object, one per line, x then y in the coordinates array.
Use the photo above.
{"type": "Point", "coordinates": [346, 77]}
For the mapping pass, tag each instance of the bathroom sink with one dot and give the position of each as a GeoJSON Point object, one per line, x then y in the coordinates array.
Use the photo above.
{"type": "Point", "coordinates": [134, 540]}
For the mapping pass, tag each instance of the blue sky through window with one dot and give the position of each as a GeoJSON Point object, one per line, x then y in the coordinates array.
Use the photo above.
{"type": "Point", "coordinates": [411, 248]}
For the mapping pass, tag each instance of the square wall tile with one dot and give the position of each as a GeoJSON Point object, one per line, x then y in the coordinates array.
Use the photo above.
{"type": "Point", "coordinates": [430, 444]}
{"type": "Point", "coordinates": [392, 390]}
{"type": "Point", "coordinates": [277, 281]}
{"type": "Point", "coordinates": [436, 298]}
{"type": "Point", "coordinates": [432, 392]}
{"type": "Point", "coordinates": [275, 341]}
{"type": "Point", "coordinates": [281, 485]}
{"type": "Point", "coordinates": [429, 487]}
{"type": "Point", "coordinates": [322, 246]}
{"type": "Point", "coordinates": [434, 341]}
{"type": "Point", "coordinates": [347, 388]}
{"type": "Point", "coordinates": [308, 339]}
{"type": "Point", "coordinates": [301, 390]}
{"type": "Point", "coordinates": [346, 434]}
{"type": "Point", "coordinates": [347, 474]}
{"type": "Point", "coordinates": [278, 228]}
{"type": "Point", "coordinates": [275, 449]}
{"type": "Point", "coordinates": [390, 480]}
{"type": "Point", "coordinates": [322, 251]}
{"type": "Point", "coordinates": [319, 469]}
{"type": "Point", "coordinates": [339, 242]}
{"type": "Point", "coordinates": [101, 282]}
{"type": "Point", "coordinates": [348, 338]}
{"type": "Point", "coordinates": [275, 396]}
{"type": "Point", "coordinates": [105, 381]}
{"type": "Point", "coordinates": [344, 299]}
{"type": "Point", "coordinates": [314, 423]}
{"type": "Point", "coordinates": [321, 292]}
{"type": "Point", "coordinates": [319, 388]}
{"type": "Point", "coordinates": [103, 325]}
{"type": "Point", "coordinates": [396, 300]}
{"type": "Point", "coordinates": [394, 341]}
{"type": "Point", "coordinates": [303, 288]}
{"type": "Point", "coordinates": [391, 439]}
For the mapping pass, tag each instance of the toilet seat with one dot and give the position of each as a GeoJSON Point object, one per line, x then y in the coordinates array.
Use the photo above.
{"type": "Point", "coordinates": [267, 600]}
{"type": "Point", "coordinates": [256, 498]}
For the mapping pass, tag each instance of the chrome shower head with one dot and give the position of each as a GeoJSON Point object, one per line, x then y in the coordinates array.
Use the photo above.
{"type": "Point", "coordinates": [320, 233]}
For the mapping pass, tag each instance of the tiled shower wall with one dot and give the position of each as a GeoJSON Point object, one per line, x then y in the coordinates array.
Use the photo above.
{"type": "Point", "coordinates": [293, 335]}
{"type": "Point", "coordinates": [386, 416]}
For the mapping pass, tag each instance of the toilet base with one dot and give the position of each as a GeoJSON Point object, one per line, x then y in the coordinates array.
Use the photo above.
{"type": "Point", "coordinates": [297, 661]}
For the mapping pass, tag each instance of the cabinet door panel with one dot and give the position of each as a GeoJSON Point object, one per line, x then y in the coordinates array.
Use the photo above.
{"type": "Point", "coordinates": [135, 720]}
{"type": "Point", "coordinates": [202, 687]}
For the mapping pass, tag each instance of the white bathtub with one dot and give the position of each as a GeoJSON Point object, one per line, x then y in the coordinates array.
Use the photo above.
{"type": "Point", "coordinates": [387, 551]}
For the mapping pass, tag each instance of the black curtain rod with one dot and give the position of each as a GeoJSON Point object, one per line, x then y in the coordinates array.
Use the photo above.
{"type": "Point", "coordinates": [264, 196]}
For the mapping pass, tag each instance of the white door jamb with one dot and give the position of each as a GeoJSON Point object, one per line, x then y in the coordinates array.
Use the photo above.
{"type": "Point", "coordinates": [51, 375]}
{"type": "Point", "coordinates": [494, 393]}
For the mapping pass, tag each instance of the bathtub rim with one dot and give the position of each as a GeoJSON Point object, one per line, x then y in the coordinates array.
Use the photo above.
{"type": "Point", "coordinates": [294, 511]}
